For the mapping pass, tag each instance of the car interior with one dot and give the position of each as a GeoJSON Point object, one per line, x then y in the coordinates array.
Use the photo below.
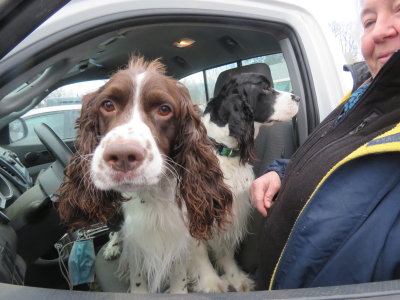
{"type": "Point", "coordinates": [30, 174]}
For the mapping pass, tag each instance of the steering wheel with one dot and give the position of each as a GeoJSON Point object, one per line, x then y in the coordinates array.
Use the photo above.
{"type": "Point", "coordinates": [53, 143]}
{"type": "Point", "coordinates": [33, 215]}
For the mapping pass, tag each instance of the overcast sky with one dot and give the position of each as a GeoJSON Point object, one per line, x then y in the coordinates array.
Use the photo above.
{"type": "Point", "coordinates": [343, 11]}
{"type": "Point", "coordinates": [339, 10]}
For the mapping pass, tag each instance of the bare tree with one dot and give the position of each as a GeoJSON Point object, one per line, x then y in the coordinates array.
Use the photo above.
{"type": "Point", "coordinates": [346, 34]}
{"type": "Point", "coordinates": [59, 93]}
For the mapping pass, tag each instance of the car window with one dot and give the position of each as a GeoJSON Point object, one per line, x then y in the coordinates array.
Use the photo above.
{"type": "Point", "coordinates": [201, 84]}
{"type": "Point", "coordinates": [278, 67]}
{"type": "Point", "coordinates": [71, 93]}
{"type": "Point", "coordinates": [196, 86]}
{"type": "Point", "coordinates": [55, 120]}
{"type": "Point", "coordinates": [212, 75]}
{"type": "Point", "coordinates": [59, 110]}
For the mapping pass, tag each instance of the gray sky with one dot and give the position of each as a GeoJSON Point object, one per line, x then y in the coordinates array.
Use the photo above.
{"type": "Point", "coordinates": [339, 10]}
{"type": "Point", "coordinates": [342, 11]}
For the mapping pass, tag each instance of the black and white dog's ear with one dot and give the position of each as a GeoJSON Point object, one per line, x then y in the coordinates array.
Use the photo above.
{"type": "Point", "coordinates": [241, 126]}
{"type": "Point", "coordinates": [264, 82]}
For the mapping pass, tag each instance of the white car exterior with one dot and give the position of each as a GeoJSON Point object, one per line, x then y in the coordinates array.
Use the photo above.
{"type": "Point", "coordinates": [59, 118]}
{"type": "Point", "coordinates": [320, 55]}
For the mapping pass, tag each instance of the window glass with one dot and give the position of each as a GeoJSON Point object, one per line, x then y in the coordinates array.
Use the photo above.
{"type": "Point", "coordinates": [70, 94]}
{"type": "Point", "coordinates": [278, 67]}
{"type": "Point", "coordinates": [196, 87]}
{"type": "Point", "coordinates": [59, 118]}
{"type": "Point", "coordinates": [54, 120]}
{"type": "Point", "coordinates": [59, 110]}
{"type": "Point", "coordinates": [70, 132]}
{"type": "Point", "coordinates": [212, 75]}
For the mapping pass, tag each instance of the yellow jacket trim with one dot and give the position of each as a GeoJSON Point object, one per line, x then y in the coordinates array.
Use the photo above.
{"type": "Point", "coordinates": [347, 96]}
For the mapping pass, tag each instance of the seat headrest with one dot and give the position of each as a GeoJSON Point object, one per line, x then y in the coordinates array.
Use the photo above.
{"type": "Point", "coordinates": [259, 68]}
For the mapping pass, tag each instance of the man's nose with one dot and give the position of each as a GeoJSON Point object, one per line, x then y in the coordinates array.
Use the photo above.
{"type": "Point", "coordinates": [385, 27]}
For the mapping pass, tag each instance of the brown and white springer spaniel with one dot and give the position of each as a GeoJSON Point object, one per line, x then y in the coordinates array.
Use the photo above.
{"type": "Point", "coordinates": [141, 142]}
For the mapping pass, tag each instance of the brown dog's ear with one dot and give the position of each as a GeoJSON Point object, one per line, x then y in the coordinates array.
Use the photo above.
{"type": "Point", "coordinates": [201, 187]}
{"type": "Point", "coordinates": [81, 203]}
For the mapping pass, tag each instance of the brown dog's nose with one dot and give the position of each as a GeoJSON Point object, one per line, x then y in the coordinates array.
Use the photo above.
{"type": "Point", "coordinates": [124, 157]}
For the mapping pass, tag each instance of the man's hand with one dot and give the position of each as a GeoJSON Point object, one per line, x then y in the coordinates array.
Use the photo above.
{"type": "Point", "coordinates": [263, 190]}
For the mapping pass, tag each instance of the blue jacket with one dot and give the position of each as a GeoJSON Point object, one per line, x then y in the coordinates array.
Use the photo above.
{"type": "Point", "coordinates": [337, 217]}
{"type": "Point", "coordinates": [349, 231]}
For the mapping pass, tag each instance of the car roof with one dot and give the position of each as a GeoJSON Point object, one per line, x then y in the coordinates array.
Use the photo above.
{"type": "Point", "coordinates": [88, 40]}
{"type": "Point", "coordinates": [77, 12]}
{"type": "Point", "coordinates": [114, 50]}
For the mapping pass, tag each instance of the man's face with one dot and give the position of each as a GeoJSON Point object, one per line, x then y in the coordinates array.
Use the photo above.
{"type": "Point", "coordinates": [381, 38]}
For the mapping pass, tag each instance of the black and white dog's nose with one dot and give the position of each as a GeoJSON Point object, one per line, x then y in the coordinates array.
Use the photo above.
{"type": "Point", "coordinates": [296, 98]}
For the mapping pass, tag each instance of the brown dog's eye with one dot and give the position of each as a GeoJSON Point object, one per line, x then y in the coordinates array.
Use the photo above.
{"type": "Point", "coordinates": [164, 110]}
{"type": "Point", "coordinates": [108, 106]}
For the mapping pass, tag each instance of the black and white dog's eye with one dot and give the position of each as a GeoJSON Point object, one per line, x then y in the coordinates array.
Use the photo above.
{"type": "Point", "coordinates": [108, 106]}
{"type": "Point", "coordinates": [270, 91]}
{"type": "Point", "coordinates": [266, 91]}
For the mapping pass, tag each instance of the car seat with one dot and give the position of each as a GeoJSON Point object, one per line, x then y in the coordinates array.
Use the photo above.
{"type": "Point", "coordinates": [272, 142]}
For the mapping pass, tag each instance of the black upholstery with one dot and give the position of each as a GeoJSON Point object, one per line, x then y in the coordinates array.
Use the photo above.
{"type": "Point", "coordinates": [12, 266]}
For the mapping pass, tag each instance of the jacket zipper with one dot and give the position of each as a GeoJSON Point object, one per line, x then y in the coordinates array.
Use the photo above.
{"type": "Point", "coordinates": [308, 145]}
{"type": "Point", "coordinates": [362, 125]}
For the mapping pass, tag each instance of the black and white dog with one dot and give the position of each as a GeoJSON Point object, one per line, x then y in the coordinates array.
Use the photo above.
{"type": "Point", "coordinates": [232, 120]}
